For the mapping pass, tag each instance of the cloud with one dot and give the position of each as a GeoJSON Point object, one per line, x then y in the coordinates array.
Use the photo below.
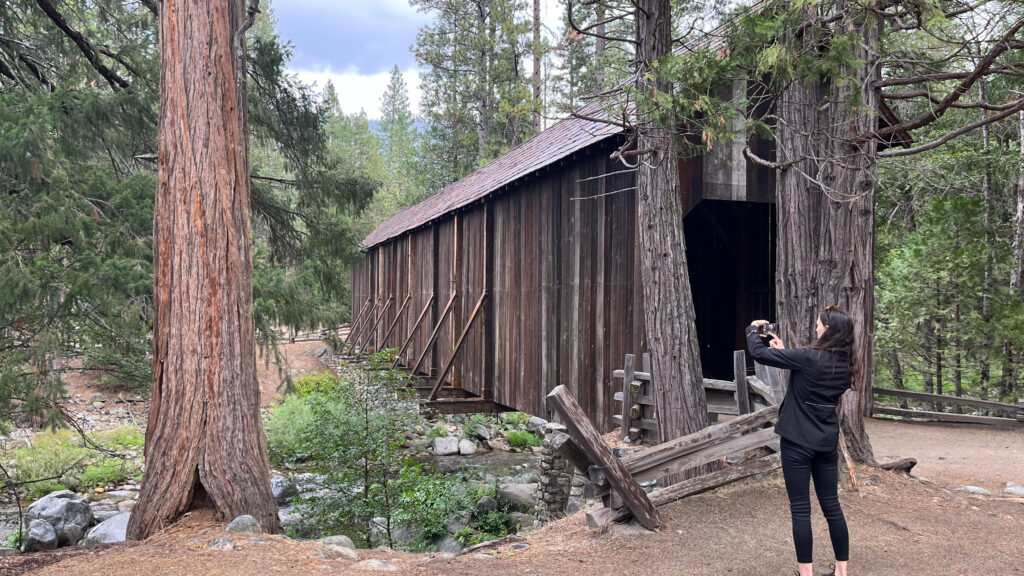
{"type": "Point", "coordinates": [358, 91]}
{"type": "Point", "coordinates": [368, 37]}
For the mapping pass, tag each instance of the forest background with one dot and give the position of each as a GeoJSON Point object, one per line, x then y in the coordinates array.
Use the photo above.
{"type": "Point", "coordinates": [78, 113]}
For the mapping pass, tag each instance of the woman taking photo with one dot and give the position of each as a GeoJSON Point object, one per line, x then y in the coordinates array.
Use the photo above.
{"type": "Point", "coordinates": [809, 426]}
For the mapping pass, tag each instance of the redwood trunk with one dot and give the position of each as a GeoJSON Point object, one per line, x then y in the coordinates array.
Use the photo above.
{"type": "Point", "coordinates": [204, 441]}
{"type": "Point", "coordinates": [668, 303]}
{"type": "Point", "coordinates": [825, 207]}
{"type": "Point", "coordinates": [537, 55]}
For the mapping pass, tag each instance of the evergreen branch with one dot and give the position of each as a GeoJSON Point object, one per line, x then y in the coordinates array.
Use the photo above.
{"type": "Point", "coordinates": [115, 81]}
{"type": "Point", "coordinates": [935, 100]}
{"type": "Point", "coordinates": [152, 6]}
{"type": "Point", "coordinates": [577, 29]}
{"type": "Point", "coordinates": [1017, 106]}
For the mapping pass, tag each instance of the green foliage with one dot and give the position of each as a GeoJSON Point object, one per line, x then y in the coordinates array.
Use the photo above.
{"type": "Point", "coordinates": [289, 429]}
{"type": "Point", "coordinates": [325, 383]}
{"type": "Point", "coordinates": [437, 432]}
{"type": "Point", "coordinates": [14, 540]}
{"type": "Point", "coordinates": [107, 471]}
{"type": "Point", "coordinates": [486, 525]}
{"type": "Point", "coordinates": [62, 460]}
{"type": "Point", "coordinates": [517, 419]}
{"type": "Point", "coordinates": [522, 439]}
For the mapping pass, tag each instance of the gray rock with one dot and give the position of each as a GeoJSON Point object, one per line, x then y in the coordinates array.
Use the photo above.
{"type": "Point", "coordinates": [521, 546]}
{"type": "Point", "coordinates": [974, 490]}
{"type": "Point", "coordinates": [522, 497]}
{"type": "Point", "coordinates": [331, 551]}
{"type": "Point", "coordinates": [339, 540]}
{"type": "Point", "coordinates": [121, 495]}
{"type": "Point", "coordinates": [244, 523]}
{"type": "Point", "coordinates": [536, 425]}
{"type": "Point", "coordinates": [68, 513]}
{"type": "Point", "coordinates": [258, 541]}
{"type": "Point", "coordinates": [97, 397]}
{"type": "Point", "coordinates": [960, 501]}
{"type": "Point", "coordinates": [284, 489]}
{"type": "Point", "coordinates": [126, 505]}
{"type": "Point", "coordinates": [5, 552]}
{"type": "Point", "coordinates": [486, 504]}
{"type": "Point", "coordinates": [222, 544]}
{"type": "Point", "coordinates": [486, 431]}
{"type": "Point", "coordinates": [467, 447]}
{"type": "Point", "coordinates": [322, 351]}
{"type": "Point", "coordinates": [447, 544]}
{"type": "Point", "coordinates": [39, 536]}
{"type": "Point", "coordinates": [441, 558]}
{"type": "Point", "coordinates": [448, 466]}
{"type": "Point", "coordinates": [105, 515]}
{"type": "Point", "coordinates": [108, 531]}
{"type": "Point", "coordinates": [483, 556]}
{"type": "Point", "coordinates": [376, 565]}
{"type": "Point", "coordinates": [1013, 489]}
{"type": "Point", "coordinates": [446, 446]}
{"type": "Point", "coordinates": [524, 520]}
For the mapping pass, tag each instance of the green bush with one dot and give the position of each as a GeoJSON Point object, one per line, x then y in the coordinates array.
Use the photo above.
{"type": "Point", "coordinates": [486, 525]}
{"type": "Point", "coordinates": [517, 419]}
{"type": "Point", "coordinates": [108, 471]}
{"type": "Point", "coordinates": [14, 540]}
{"type": "Point", "coordinates": [57, 455]}
{"type": "Point", "coordinates": [326, 383]}
{"type": "Point", "coordinates": [522, 439]}
{"type": "Point", "coordinates": [437, 432]}
{"type": "Point", "coordinates": [124, 437]}
{"type": "Point", "coordinates": [288, 428]}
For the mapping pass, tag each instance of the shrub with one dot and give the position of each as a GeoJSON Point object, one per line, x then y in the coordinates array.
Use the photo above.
{"type": "Point", "coordinates": [108, 471]}
{"type": "Point", "coordinates": [437, 432]}
{"type": "Point", "coordinates": [124, 437]}
{"type": "Point", "coordinates": [517, 419]}
{"type": "Point", "coordinates": [52, 454]}
{"type": "Point", "coordinates": [326, 383]}
{"type": "Point", "coordinates": [14, 539]}
{"type": "Point", "coordinates": [487, 525]}
{"type": "Point", "coordinates": [522, 439]}
{"type": "Point", "coordinates": [288, 428]}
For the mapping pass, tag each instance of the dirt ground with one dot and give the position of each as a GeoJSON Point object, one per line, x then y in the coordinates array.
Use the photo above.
{"type": "Point", "coordinates": [898, 525]}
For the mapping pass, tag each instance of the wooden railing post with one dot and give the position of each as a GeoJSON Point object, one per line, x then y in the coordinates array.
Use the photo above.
{"type": "Point", "coordinates": [359, 333]}
{"type": "Point", "coordinates": [627, 395]}
{"type": "Point", "coordinates": [739, 368]}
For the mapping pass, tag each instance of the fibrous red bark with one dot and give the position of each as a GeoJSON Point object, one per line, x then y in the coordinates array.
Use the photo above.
{"type": "Point", "coordinates": [204, 441]}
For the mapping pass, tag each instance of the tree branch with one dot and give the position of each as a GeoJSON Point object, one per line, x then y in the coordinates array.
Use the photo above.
{"type": "Point", "coordinates": [577, 29]}
{"type": "Point", "coordinates": [1017, 106]}
{"type": "Point", "coordinates": [115, 81]}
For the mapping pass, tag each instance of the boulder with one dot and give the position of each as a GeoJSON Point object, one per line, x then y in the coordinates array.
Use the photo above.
{"type": "Point", "coordinates": [446, 445]}
{"type": "Point", "coordinates": [108, 531]}
{"type": "Point", "coordinates": [1013, 489]}
{"type": "Point", "coordinates": [126, 505]}
{"type": "Point", "coordinates": [522, 497]}
{"type": "Point", "coordinates": [121, 495]}
{"type": "Point", "coordinates": [486, 504]}
{"type": "Point", "coordinates": [376, 565]}
{"type": "Point", "coordinates": [68, 513]}
{"type": "Point", "coordinates": [339, 540]}
{"type": "Point", "coordinates": [222, 544]}
{"type": "Point", "coordinates": [447, 544]}
{"type": "Point", "coordinates": [486, 431]}
{"type": "Point", "coordinates": [284, 489]}
{"type": "Point", "coordinates": [244, 523]}
{"type": "Point", "coordinates": [97, 397]}
{"type": "Point", "coordinates": [39, 536]}
{"type": "Point", "coordinates": [974, 490]}
{"type": "Point", "coordinates": [330, 551]}
{"type": "Point", "coordinates": [467, 447]}
{"type": "Point", "coordinates": [536, 425]}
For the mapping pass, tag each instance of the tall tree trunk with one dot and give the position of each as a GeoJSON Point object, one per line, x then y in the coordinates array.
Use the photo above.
{"type": "Point", "coordinates": [538, 54]}
{"type": "Point", "coordinates": [485, 57]}
{"type": "Point", "coordinates": [990, 256]}
{"type": "Point", "coordinates": [600, 45]}
{"type": "Point", "coordinates": [204, 441]}
{"type": "Point", "coordinates": [668, 303]}
{"type": "Point", "coordinates": [825, 206]}
{"type": "Point", "coordinates": [897, 373]}
{"type": "Point", "coordinates": [1008, 377]}
{"type": "Point", "coordinates": [927, 330]}
{"type": "Point", "coordinates": [1017, 276]}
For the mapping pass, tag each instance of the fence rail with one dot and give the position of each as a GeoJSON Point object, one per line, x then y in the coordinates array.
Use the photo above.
{"type": "Point", "coordinates": [1004, 414]}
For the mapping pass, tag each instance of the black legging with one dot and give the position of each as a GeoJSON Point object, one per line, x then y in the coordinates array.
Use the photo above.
{"type": "Point", "coordinates": [799, 465]}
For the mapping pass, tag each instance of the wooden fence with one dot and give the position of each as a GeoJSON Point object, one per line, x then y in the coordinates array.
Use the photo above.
{"type": "Point", "coordinates": [617, 481]}
{"type": "Point", "coordinates": [989, 413]}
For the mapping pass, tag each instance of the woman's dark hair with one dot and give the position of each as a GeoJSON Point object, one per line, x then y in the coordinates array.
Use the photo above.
{"type": "Point", "coordinates": [838, 337]}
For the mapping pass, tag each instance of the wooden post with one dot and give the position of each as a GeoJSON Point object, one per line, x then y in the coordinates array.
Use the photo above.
{"type": "Point", "coordinates": [739, 367]}
{"type": "Point", "coordinates": [434, 333]}
{"type": "Point", "coordinates": [458, 345]}
{"type": "Point", "coordinates": [408, 339]}
{"type": "Point", "coordinates": [373, 328]}
{"type": "Point", "coordinates": [627, 396]}
{"type": "Point", "coordinates": [398, 316]}
{"type": "Point", "coordinates": [765, 375]}
{"type": "Point", "coordinates": [572, 451]}
{"type": "Point", "coordinates": [359, 333]}
{"type": "Point", "coordinates": [583, 431]}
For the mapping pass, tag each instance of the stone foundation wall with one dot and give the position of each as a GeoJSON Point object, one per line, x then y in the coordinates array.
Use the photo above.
{"type": "Point", "coordinates": [556, 475]}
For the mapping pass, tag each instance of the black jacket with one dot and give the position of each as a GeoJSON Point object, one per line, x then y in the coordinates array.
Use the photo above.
{"type": "Point", "coordinates": [816, 383]}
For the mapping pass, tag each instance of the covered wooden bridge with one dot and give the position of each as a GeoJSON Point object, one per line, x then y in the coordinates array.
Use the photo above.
{"type": "Point", "coordinates": [525, 275]}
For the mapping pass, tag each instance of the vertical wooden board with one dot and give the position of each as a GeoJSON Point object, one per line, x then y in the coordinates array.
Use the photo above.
{"type": "Point", "coordinates": [568, 350]}
{"type": "Point", "coordinates": [445, 287]}
{"type": "Point", "coordinates": [501, 301]}
{"type": "Point", "coordinates": [529, 328]}
{"type": "Point", "coordinates": [469, 363]}
{"type": "Point", "coordinates": [587, 334]}
{"type": "Point", "coordinates": [600, 375]}
{"type": "Point", "coordinates": [550, 250]}
{"type": "Point", "coordinates": [423, 287]}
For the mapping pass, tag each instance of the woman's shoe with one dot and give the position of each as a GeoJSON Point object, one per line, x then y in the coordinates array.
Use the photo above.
{"type": "Point", "coordinates": [832, 573]}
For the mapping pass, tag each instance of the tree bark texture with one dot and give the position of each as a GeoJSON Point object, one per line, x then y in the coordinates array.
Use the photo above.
{"type": "Point", "coordinates": [825, 206]}
{"type": "Point", "coordinates": [537, 55]}
{"type": "Point", "coordinates": [668, 302]}
{"type": "Point", "coordinates": [204, 442]}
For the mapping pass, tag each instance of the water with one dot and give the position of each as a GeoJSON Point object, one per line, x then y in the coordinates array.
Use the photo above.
{"type": "Point", "coordinates": [491, 465]}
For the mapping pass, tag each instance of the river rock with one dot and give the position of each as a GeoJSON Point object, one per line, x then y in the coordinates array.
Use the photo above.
{"type": "Point", "coordinates": [126, 505]}
{"type": "Point", "coordinates": [486, 504]}
{"type": "Point", "coordinates": [446, 445]}
{"type": "Point", "coordinates": [486, 431]}
{"type": "Point", "coordinates": [339, 540]}
{"type": "Point", "coordinates": [97, 397]}
{"type": "Point", "coordinates": [345, 552]}
{"type": "Point", "coordinates": [40, 536]}
{"type": "Point", "coordinates": [467, 447]}
{"type": "Point", "coordinates": [67, 512]}
{"type": "Point", "coordinates": [974, 490]}
{"type": "Point", "coordinates": [244, 523]}
{"type": "Point", "coordinates": [376, 565]}
{"type": "Point", "coordinates": [224, 544]}
{"type": "Point", "coordinates": [522, 497]}
{"type": "Point", "coordinates": [536, 425]}
{"type": "Point", "coordinates": [447, 544]}
{"type": "Point", "coordinates": [108, 531]}
{"type": "Point", "coordinates": [121, 495]}
{"type": "Point", "coordinates": [1013, 489]}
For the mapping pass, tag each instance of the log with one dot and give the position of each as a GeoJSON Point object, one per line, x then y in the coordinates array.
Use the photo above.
{"type": "Point", "coordinates": [583, 431]}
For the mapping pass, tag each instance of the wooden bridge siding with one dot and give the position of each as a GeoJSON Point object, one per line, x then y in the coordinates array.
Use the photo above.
{"type": "Point", "coordinates": [447, 284]}
{"type": "Point", "coordinates": [469, 371]}
{"type": "Point", "coordinates": [421, 286]}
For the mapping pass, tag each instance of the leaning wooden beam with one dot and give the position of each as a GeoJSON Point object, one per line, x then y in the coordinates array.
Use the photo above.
{"type": "Point", "coordinates": [581, 429]}
{"type": "Point", "coordinates": [356, 322]}
{"type": "Point", "coordinates": [714, 480]}
{"type": "Point", "coordinates": [412, 333]}
{"type": "Point", "coordinates": [690, 443]}
{"type": "Point", "coordinates": [458, 346]}
{"type": "Point", "coordinates": [373, 328]}
{"type": "Point", "coordinates": [571, 451]}
{"type": "Point", "coordinates": [435, 332]}
{"type": "Point", "coordinates": [770, 378]}
{"type": "Point", "coordinates": [394, 323]}
{"type": "Point", "coordinates": [719, 449]}
{"type": "Point", "coordinates": [366, 322]}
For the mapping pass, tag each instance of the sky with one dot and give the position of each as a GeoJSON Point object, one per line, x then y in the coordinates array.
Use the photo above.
{"type": "Point", "coordinates": [356, 43]}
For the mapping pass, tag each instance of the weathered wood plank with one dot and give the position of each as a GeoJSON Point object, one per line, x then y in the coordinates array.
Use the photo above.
{"type": "Point", "coordinates": [715, 479]}
{"type": "Point", "coordinates": [722, 385]}
{"type": "Point", "coordinates": [464, 406]}
{"type": "Point", "coordinates": [599, 517]}
{"type": "Point", "coordinates": [1009, 409]}
{"type": "Point", "coordinates": [637, 375]}
{"type": "Point", "coordinates": [637, 399]}
{"type": "Point", "coordinates": [643, 424]}
{"type": "Point", "coordinates": [761, 389]}
{"type": "Point", "coordinates": [739, 367]}
{"type": "Point", "coordinates": [692, 442]}
{"type": "Point", "coordinates": [373, 328]}
{"type": "Point", "coordinates": [398, 317]}
{"type": "Point", "coordinates": [626, 396]}
{"type": "Point", "coordinates": [594, 446]}
{"type": "Point", "coordinates": [458, 345]}
{"type": "Point", "coordinates": [946, 417]}
{"type": "Point", "coordinates": [435, 332]}
{"type": "Point", "coordinates": [765, 375]}
{"type": "Point", "coordinates": [572, 451]}
{"type": "Point", "coordinates": [707, 454]}
{"type": "Point", "coordinates": [412, 333]}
